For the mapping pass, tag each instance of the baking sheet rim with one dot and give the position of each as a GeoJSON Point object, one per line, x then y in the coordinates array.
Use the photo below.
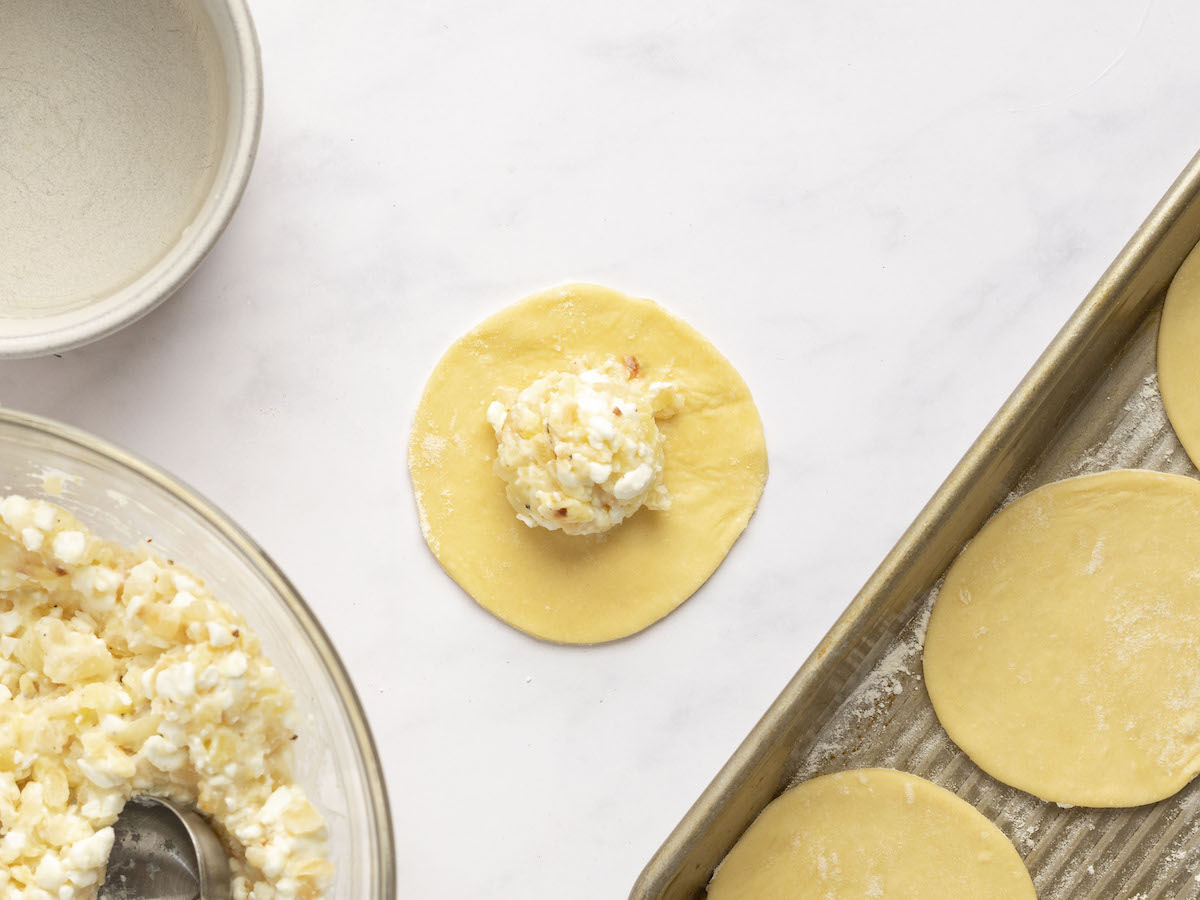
{"type": "Point", "coordinates": [1080, 331]}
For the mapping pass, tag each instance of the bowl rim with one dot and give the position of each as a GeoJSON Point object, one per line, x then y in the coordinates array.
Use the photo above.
{"type": "Point", "coordinates": [128, 304]}
{"type": "Point", "coordinates": [377, 793]}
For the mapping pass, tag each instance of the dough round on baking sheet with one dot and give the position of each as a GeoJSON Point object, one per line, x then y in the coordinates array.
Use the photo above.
{"type": "Point", "coordinates": [871, 833]}
{"type": "Point", "coordinates": [1179, 355]}
{"type": "Point", "coordinates": [1062, 651]}
{"type": "Point", "coordinates": [582, 589]}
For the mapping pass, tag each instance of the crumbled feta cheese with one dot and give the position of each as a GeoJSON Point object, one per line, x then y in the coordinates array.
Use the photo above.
{"type": "Point", "coordinates": [16, 511]}
{"type": "Point", "coordinates": [581, 451]}
{"type": "Point", "coordinates": [208, 679]}
{"type": "Point", "coordinates": [177, 683]}
{"type": "Point", "coordinates": [43, 516]}
{"type": "Point", "coordinates": [157, 688]}
{"type": "Point", "coordinates": [183, 599]}
{"type": "Point", "coordinates": [31, 538]}
{"type": "Point", "coordinates": [91, 852]}
{"type": "Point", "coordinates": [68, 546]}
{"type": "Point", "coordinates": [163, 755]}
{"type": "Point", "coordinates": [219, 635]}
{"type": "Point", "coordinates": [631, 484]}
{"type": "Point", "coordinates": [496, 414]}
{"type": "Point", "coordinates": [233, 665]}
{"type": "Point", "coordinates": [51, 873]}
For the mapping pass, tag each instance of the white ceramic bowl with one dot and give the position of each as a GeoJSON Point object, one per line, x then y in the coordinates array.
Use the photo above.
{"type": "Point", "coordinates": [124, 499]}
{"type": "Point", "coordinates": [130, 129]}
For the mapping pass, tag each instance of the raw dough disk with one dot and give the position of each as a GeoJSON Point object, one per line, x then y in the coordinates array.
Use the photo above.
{"type": "Point", "coordinates": [871, 833]}
{"type": "Point", "coordinates": [1062, 651]}
{"type": "Point", "coordinates": [571, 588]}
{"type": "Point", "coordinates": [1179, 355]}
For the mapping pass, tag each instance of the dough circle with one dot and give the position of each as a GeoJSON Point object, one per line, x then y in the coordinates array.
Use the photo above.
{"type": "Point", "coordinates": [1061, 651]}
{"type": "Point", "coordinates": [871, 833]}
{"type": "Point", "coordinates": [1178, 359]}
{"type": "Point", "coordinates": [583, 589]}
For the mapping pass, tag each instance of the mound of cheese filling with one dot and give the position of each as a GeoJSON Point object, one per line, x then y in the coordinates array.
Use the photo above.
{"type": "Point", "coordinates": [580, 451]}
{"type": "Point", "coordinates": [121, 675]}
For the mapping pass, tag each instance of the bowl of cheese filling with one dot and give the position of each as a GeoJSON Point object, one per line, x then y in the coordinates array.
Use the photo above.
{"type": "Point", "coordinates": [149, 647]}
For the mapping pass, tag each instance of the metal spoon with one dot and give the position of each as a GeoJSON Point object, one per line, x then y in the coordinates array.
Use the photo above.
{"type": "Point", "coordinates": [166, 852]}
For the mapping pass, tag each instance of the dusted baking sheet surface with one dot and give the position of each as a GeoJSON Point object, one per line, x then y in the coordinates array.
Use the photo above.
{"type": "Point", "coordinates": [1090, 404]}
{"type": "Point", "coordinates": [886, 718]}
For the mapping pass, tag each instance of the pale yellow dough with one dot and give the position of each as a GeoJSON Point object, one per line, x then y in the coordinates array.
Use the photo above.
{"type": "Point", "coordinates": [1179, 355]}
{"type": "Point", "coordinates": [871, 833]}
{"type": "Point", "coordinates": [1062, 651]}
{"type": "Point", "coordinates": [581, 589]}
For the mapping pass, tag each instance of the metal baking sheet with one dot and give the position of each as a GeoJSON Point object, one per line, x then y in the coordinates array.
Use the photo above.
{"type": "Point", "coordinates": [1090, 403]}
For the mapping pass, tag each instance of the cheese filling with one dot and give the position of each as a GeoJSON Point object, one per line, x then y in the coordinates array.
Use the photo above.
{"type": "Point", "coordinates": [120, 674]}
{"type": "Point", "coordinates": [581, 451]}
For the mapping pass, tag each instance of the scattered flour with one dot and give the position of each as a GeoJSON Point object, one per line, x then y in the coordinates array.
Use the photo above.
{"type": "Point", "coordinates": [881, 686]}
{"type": "Point", "coordinates": [1145, 423]}
{"type": "Point", "coordinates": [432, 446]}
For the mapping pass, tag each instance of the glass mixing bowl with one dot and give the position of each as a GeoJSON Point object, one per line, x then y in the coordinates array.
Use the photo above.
{"type": "Point", "coordinates": [124, 499]}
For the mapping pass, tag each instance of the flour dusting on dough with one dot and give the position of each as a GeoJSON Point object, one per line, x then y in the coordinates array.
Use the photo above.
{"type": "Point", "coordinates": [423, 519]}
{"type": "Point", "coordinates": [432, 446]}
{"type": "Point", "coordinates": [871, 833]}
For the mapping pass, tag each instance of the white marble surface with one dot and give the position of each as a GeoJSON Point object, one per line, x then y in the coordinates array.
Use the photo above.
{"type": "Point", "coordinates": [880, 212]}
